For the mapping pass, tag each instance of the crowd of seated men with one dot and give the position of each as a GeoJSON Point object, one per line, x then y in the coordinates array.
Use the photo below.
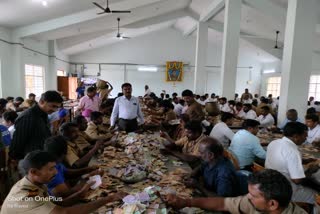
{"type": "Point", "coordinates": [41, 163]}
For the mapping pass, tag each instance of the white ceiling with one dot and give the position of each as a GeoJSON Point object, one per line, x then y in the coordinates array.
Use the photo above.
{"type": "Point", "coordinates": [16, 13]}
{"type": "Point", "coordinates": [281, 3]}
{"type": "Point", "coordinates": [76, 27]}
{"type": "Point", "coordinates": [257, 23]}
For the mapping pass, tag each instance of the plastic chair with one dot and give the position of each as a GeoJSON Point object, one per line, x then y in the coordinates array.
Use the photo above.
{"type": "Point", "coordinates": [232, 158]}
{"type": "Point", "coordinates": [256, 167]}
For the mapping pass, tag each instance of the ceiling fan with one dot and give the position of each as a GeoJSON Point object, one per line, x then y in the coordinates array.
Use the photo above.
{"type": "Point", "coordinates": [107, 9]}
{"type": "Point", "coordinates": [276, 46]}
{"type": "Point", "coordinates": [119, 34]}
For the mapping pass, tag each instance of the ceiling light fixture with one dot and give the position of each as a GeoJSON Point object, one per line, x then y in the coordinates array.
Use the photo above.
{"type": "Point", "coordinates": [44, 3]}
{"type": "Point", "coordinates": [148, 69]}
{"type": "Point", "coordinates": [269, 71]}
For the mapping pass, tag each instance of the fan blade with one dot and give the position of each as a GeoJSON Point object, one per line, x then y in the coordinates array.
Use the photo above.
{"type": "Point", "coordinates": [101, 13]}
{"type": "Point", "coordinates": [124, 37]}
{"type": "Point", "coordinates": [98, 5]}
{"type": "Point", "coordinates": [120, 11]}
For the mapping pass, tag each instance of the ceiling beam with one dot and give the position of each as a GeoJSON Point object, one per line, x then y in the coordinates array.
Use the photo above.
{"type": "Point", "coordinates": [215, 25]}
{"type": "Point", "coordinates": [268, 8]}
{"type": "Point", "coordinates": [75, 40]}
{"type": "Point", "coordinates": [189, 31]}
{"type": "Point", "coordinates": [212, 10]}
{"type": "Point", "coordinates": [109, 21]}
{"type": "Point", "coordinates": [266, 45]}
{"type": "Point", "coordinates": [111, 39]}
{"type": "Point", "coordinates": [218, 26]}
{"type": "Point", "coordinates": [159, 19]}
{"type": "Point", "coordinates": [272, 10]}
{"type": "Point", "coordinates": [76, 18]}
{"type": "Point", "coordinates": [69, 42]}
{"type": "Point", "coordinates": [262, 43]}
{"type": "Point", "coordinates": [193, 14]}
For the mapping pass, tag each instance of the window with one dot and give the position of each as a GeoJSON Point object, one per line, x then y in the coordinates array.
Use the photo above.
{"type": "Point", "coordinates": [34, 76]}
{"type": "Point", "coordinates": [273, 86]}
{"type": "Point", "coordinates": [61, 73]}
{"type": "Point", "coordinates": [314, 87]}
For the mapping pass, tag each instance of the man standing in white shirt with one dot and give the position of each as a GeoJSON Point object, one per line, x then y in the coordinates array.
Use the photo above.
{"type": "Point", "coordinates": [224, 106]}
{"type": "Point", "coordinates": [283, 155]}
{"type": "Point", "coordinates": [265, 119]}
{"type": "Point", "coordinates": [312, 122]}
{"type": "Point", "coordinates": [221, 131]}
{"type": "Point", "coordinates": [127, 110]}
{"type": "Point", "coordinates": [247, 112]}
{"type": "Point", "coordinates": [311, 102]}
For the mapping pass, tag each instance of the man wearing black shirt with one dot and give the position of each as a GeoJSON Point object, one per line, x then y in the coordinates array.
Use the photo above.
{"type": "Point", "coordinates": [32, 126]}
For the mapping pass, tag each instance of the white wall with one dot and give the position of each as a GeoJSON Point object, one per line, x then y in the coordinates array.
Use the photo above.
{"type": "Point", "coordinates": [6, 61]}
{"type": "Point", "coordinates": [316, 64]}
{"type": "Point", "coordinates": [30, 57]}
{"type": "Point", "coordinates": [155, 49]}
{"type": "Point", "coordinates": [14, 57]}
{"type": "Point", "coordinates": [277, 66]}
{"type": "Point", "coordinates": [61, 59]}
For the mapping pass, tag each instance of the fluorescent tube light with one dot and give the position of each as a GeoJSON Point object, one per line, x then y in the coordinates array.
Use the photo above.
{"type": "Point", "coordinates": [269, 71]}
{"type": "Point", "coordinates": [148, 69]}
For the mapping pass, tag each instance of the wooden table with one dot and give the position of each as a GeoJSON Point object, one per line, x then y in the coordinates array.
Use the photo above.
{"type": "Point", "coordinates": [267, 137]}
{"type": "Point", "coordinates": [310, 151]}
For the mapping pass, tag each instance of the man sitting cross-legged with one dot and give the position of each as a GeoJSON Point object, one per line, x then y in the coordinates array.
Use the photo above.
{"type": "Point", "coordinates": [221, 130]}
{"type": "Point", "coordinates": [246, 146]}
{"type": "Point", "coordinates": [217, 171]}
{"type": "Point", "coordinates": [284, 156]}
{"type": "Point", "coordinates": [94, 129]}
{"type": "Point", "coordinates": [58, 187]}
{"type": "Point", "coordinates": [74, 158]}
{"type": "Point", "coordinates": [186, 148]}
{"type": "Point", "coordinates": [30, 195]}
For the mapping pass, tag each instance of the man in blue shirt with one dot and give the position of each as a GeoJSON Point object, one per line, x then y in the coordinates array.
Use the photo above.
{"type": "Point", "coordinates": [6, 137]}
{"type": "Point", "coordinates": [217, 171]}
{"type": "Point", "coordinates": [57, 147]}
{"type": "Point", "coordinates": [80, 90]}
{"type": "Point", "coordinates": [246, 146]}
